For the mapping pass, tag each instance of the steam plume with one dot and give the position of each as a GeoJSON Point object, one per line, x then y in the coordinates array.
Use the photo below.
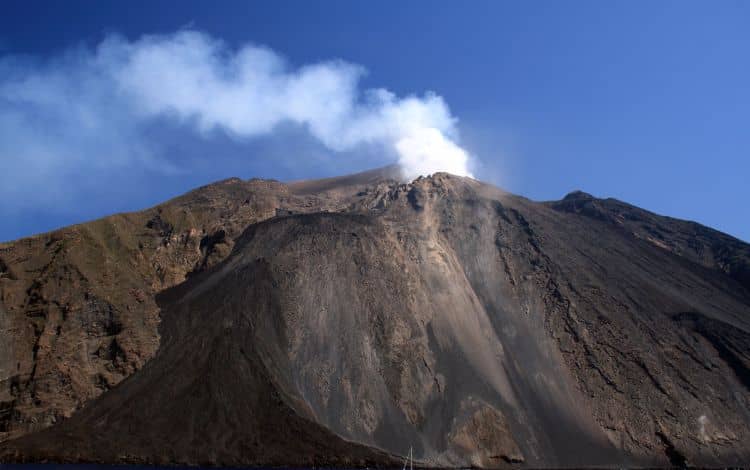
{"type": "Point", "coordinates": [249, 92]}
{"type": "Point", "coordinates": [91, 112]}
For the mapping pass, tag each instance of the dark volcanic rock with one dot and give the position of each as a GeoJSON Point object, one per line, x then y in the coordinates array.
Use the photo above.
{"type": "Point", "coordinates": [355, 318]}
{"type": "Point", "coordinates": [693, 241]}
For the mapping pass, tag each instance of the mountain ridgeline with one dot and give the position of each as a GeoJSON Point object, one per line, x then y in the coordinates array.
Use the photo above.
{"type": "Point", "coordinates": [348, 320]}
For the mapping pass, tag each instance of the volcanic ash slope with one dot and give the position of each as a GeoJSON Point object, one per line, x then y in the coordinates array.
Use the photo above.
{"type": "Point", "coordinates": [472, 325]}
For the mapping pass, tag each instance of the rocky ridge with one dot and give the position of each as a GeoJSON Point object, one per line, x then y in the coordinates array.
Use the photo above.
{"type": "Point", "coordinates": [476, 326]}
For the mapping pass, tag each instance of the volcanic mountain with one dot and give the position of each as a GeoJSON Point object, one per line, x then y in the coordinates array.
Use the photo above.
{"type": "Point", "coordinates": [348, 320]}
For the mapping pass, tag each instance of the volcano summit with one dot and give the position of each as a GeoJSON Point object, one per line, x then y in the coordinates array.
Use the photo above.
{"type": "Point", "coordinates": [344, 321]}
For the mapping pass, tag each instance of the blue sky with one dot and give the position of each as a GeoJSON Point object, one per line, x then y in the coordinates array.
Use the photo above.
{"type": "Point", "coordinates": [647, 102]}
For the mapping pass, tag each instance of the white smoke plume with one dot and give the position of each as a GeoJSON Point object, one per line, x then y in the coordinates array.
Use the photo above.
{"type": "Point", "coordinates": [250, 91]}
{"type": "Point", "coordinates": [123, 119]}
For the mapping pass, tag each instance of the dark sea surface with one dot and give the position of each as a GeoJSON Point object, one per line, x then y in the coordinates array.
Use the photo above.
{"type": "Point", "coordinates": [53, 466]}
{"type": "Point", "coordinates": [93, 466]}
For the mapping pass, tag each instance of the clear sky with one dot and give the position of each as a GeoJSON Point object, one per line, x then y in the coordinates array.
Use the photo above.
{"type": "Point", "coordinates": [644, 101]}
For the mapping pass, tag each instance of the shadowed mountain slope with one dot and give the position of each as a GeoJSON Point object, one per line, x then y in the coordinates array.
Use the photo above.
{"type": "Point", "coordinates": [691, 240]}
{"type": "Point", "coordinates": [77, 308]}
{"type": "Point", "coordinates": [343, 321]}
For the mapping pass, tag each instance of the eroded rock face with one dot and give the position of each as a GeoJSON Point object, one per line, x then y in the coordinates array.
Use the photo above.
{"type": "Point", "coordinates": [78, 308]}
{"type": "Point", "coordinates": [483, 437]}
{"type": "Point", "coordinates": [345, 321]}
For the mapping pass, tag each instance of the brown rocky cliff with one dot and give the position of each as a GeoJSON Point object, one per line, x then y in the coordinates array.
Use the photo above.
{"type": "Point", "coordinates": [77, 305]}
{"type": "Point", "coordinates": [473, 325]}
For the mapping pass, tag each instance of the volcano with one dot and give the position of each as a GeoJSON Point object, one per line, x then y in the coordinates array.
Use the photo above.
{"type": "Point", "coordinates": [348, 321]}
